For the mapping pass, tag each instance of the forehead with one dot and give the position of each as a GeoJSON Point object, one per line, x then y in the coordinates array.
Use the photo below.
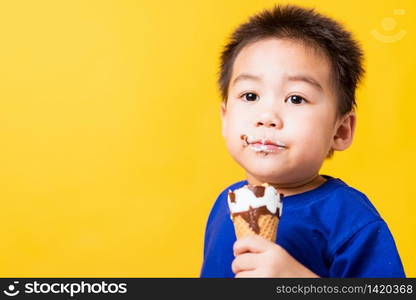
{"type": "Point", "coordinates": [275, 59]}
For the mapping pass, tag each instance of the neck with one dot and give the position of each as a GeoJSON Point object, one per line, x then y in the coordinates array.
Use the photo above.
{"type": "Point", "coordinates": [288, 189]}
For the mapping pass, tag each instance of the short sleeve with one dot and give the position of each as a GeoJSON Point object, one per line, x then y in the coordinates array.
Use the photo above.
{"type": "Point", "coordinates": [219, 238]}
{"type": "Point", "coordinates": [369, 252]}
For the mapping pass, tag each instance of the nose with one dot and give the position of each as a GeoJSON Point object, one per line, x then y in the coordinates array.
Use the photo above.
{"type": "Point", "coordinates": [269, 120]}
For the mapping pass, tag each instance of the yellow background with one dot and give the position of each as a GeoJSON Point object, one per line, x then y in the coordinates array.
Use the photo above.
{"type": "Point", "coordinates": [110, 148]}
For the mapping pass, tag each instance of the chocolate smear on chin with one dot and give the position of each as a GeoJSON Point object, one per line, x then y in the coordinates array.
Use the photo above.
{"type": "Point", "coordinates": [244, 138]}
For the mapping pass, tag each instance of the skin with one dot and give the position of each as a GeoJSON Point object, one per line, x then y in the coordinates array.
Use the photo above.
{"type": "Point", "coordinates": [280, 106]}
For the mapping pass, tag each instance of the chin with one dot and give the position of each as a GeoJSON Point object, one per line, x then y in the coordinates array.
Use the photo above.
{"type": "Point", "coordinates": [264, 175]}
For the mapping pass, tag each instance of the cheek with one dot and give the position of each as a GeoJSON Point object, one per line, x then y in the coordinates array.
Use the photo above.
{"type": "Point", "coordinates": [234, 129]}
{"type": "Point", "coordinates": [233, 140]}
{"type": "Point", "coordinates": [236, 123]}
{"type": "Point", "coordinates": [312, 136]}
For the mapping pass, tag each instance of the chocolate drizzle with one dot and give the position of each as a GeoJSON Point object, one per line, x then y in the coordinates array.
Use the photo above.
{"type": "Point", "coordinates": [251, 216]}
{"type": "Point", "coordinates": [258, 190]}
{"type": "Point", "coordinates": [232, 196]}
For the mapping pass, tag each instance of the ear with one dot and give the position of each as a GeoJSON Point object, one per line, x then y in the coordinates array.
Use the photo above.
{"type": "Point", "coordinates": [344, 132]}
{"type": "Point", "coordinates": [223, 111]}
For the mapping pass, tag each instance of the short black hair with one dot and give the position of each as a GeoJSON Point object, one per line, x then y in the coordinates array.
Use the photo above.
{"type": "Point", "coordinates": [308, 26]}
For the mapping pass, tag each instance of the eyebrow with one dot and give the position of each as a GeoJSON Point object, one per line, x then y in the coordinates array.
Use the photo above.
{"type": "Point", "coordinates": [246, 76]}
{"type": "Point", "coordinates": [307, 79]}
{"type": "Point", "coordinates": [296, 77]}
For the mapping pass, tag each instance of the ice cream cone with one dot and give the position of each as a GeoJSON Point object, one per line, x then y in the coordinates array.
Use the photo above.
{"type": "Point", "coordinates": [267, 223]}
{"type": "Point", "coordinates": [255, 210]}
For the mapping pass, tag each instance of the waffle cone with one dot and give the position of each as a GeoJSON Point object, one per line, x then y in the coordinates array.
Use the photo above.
{"type": "Point", "coordinates": [267, 224]}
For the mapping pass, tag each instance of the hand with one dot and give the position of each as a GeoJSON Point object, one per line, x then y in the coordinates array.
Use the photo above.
{"type": "Point", "coordinates": [258, 257]}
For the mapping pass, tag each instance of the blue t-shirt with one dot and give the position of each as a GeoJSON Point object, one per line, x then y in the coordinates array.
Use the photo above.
{"type": "Point", "coordinates": [333, 230]}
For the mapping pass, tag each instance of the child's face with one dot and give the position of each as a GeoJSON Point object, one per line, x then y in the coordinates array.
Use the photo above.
{"type": "Point", "coordinates": [281, 91]}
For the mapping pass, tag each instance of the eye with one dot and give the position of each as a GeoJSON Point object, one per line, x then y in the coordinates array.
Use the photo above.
{"type": "Point", "coordinates": [295, 99]}
{"type": "Point", "coordinates": [249, 97]}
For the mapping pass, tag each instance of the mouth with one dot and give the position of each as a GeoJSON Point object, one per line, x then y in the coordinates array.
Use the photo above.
{"type": "Point", "coordinates": [263, 145]}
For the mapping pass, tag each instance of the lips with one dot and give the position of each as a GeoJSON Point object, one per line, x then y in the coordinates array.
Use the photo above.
{"type": "Point", "coordinates": [266, 143]}
{"type": "Point", "coordinates": [263, 144]}
{"type": "Point", "coordinates": [270, 147]}
{"type": "Point", "coordinates": [258, 147]}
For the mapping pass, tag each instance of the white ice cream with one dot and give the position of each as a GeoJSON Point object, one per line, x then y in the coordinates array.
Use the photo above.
{"type": "Point", "coordinates": [244, 198]}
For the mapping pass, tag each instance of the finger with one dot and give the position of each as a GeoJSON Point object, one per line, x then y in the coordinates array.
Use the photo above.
{"type": "Point", "coordinates": [244, 262]}
{"type": "Point", "coordinates": [245, 274]}
{"type": "Point", "coordinates": [251, 243]}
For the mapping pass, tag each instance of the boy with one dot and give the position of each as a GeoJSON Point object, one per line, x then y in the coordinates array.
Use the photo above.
{"type": "Point", "coordinates": [288, 78]}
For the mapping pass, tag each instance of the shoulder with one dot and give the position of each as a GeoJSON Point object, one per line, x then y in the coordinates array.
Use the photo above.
{"type": "Point", "coordinates": [353, 202]}
{"type": "Point", "coordinates": [220, 206]}
{"type": "Point", "coordinates": [348, 211]}
{"type": "Point", "coordinates": [335, 203]}
{"type": "Point", "coordinates": [220, 211]}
